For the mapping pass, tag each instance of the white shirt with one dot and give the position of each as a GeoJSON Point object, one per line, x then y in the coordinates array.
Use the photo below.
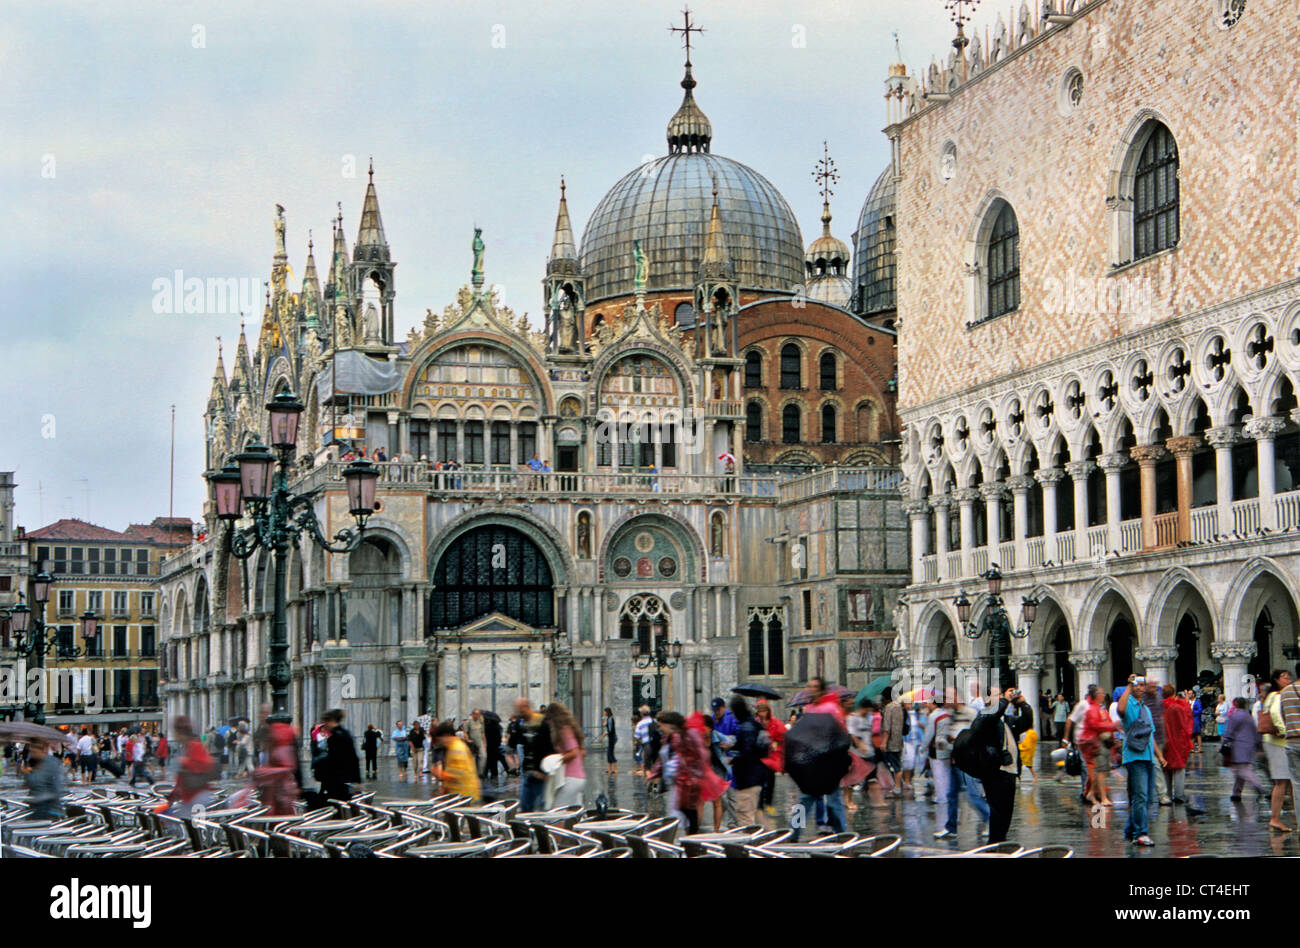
{"type": "Point", "coordinates": [121, 743]}
{"type": "Point", "coordinates": [86, 745]}
{"type": "Point", "coordinates": [643, 731]}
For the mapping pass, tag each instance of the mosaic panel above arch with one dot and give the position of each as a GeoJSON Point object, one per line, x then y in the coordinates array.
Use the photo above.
{"type": "Point", "coordinates": [475, 370]}
{"type": "Point", "coordinates": [649, 551]}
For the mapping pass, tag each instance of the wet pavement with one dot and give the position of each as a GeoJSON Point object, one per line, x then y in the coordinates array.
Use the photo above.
{"type": "Point", "coordinates": [1048, 812]}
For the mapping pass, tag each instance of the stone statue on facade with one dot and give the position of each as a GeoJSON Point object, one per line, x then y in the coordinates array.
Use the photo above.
{"type": "Point", "coordinates": [370, 324]}
{"type": "Point", "coordinates": [477, 273]}
{"type": "Point", "coordinates": [642, 268]}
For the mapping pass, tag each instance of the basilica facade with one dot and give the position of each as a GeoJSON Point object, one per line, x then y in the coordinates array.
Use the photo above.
{"type": "Point", "coordinates": [1099, 320]}
{"type": "Point", "coordinates": [695, 448]}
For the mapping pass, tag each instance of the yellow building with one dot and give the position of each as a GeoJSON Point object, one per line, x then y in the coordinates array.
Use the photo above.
{"type": "Point", "coordinates": [114, 681]}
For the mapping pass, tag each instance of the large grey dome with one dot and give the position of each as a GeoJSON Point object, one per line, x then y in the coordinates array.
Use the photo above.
{"type": "Point", "coordinates": [873, 249]}
{"type": "Point", "coordinates": [665, 204]}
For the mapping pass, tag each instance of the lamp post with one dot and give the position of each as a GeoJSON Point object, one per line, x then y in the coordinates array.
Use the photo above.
{"type": "Point", "coordinates": [30, 640]}
{"type": "Point", "coordinates": [280, 518]}
{"type": "Point", "coordinates": [995, 617]}
{"type": "Point", "coordinates": [661, 655]}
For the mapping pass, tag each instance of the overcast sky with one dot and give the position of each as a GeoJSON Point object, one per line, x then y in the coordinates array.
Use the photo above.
{"type": "Point", "coordinates": [142, 138]}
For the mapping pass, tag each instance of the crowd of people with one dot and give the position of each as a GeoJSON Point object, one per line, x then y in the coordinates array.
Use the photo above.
{"type": "Point", "coordinates": [842, 750]}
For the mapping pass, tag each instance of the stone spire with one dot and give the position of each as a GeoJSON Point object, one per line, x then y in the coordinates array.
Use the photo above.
{"type": "Point", "coordinates": [242, 378]}
{"type": "Point", "coordinates": [217, 399]}
{"type": "Point", "coordinates": [563, 247]}
{"type": "Point", "coordinates": [337, 282]}
{"type": "Point", "coordinates": [717, 261]}
{"type": "Point", "coordinates": [371, 243]}
{"type": "Point", "coordinates": [310, 288]}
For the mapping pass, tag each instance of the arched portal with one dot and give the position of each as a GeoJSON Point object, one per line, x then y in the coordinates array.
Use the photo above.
{"type": "Point", "coordinates": [374, 597]}
{"type": "Point", "coordinates": [493, 568]}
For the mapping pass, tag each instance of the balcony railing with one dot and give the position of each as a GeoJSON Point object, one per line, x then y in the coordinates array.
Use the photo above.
{"type": "Point", "coordinates": [1205, 524]}
{"type": "Point", "coordinates": [870, 479]}
{"type": "Point", "coordinates": [930, 568]}
{"type": "Point", "coordinates": [1130, 536]}
{"type": "Point", "coordinates": [1097, 541]}
{"type": "Point", "coordinates": [1064, 548]}
{"type": "Point", "coordinates": [979, 560]}
{"type": "Point", "coordinates": [1287, 507]}
{"type": "Point", "coordinates": [1245, 517]}
{"type": "Point", "coordinates": [1007, 555]}
{"type": "Point", "coordinates": [1034, 552]}
{"type": "Point", "coordinates": [953, 570]}
{"type": "Point", "coordinates": [1166, 529]}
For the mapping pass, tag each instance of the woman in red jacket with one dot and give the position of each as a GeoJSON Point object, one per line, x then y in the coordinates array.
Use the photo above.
{"type": "Point", "coordinates": [1097, 728]}
{"type": "Point", "coordinates": [194, 780]}
{"type": "Point", "coordinates": [775, 759]}
{"type": "Point", "coordinates": [1178, 745]}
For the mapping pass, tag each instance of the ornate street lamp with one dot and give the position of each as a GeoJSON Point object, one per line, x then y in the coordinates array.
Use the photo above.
{"type": "Point", "coordinates": [259, 479]}
{"type": "Point", "coordinates": [660, 656]}
{"type": "Point", "coordinates": [995, 617]}
{"type": "Point", "coordinates": [29, 638]}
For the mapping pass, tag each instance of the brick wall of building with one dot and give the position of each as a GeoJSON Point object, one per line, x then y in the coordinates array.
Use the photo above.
{"type": "Point", "coordinates": [1230, 99]}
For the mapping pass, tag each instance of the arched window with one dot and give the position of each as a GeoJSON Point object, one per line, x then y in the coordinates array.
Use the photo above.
{"type": "Point", "coordinates": [828, 372]}
{"type": "Point", "coordinates": [473, 442]}
{"type": "Point", "coordinates": [684, 315]}
{"type": "Point", "coordinates": [492, 569]}
{"type": "Point", "coordinates": [790, 424]}
{"type": "Point", "coordinates": [1004, 264]}
{"type": "Point", "coordinates": [642, 618]}
{"type": "Point", "coordinates": [753, 370]}
{"type": "Point", "coordinates": [754, 422]}
{"type": "Point", "coordinates": [1155, 194]}
{"type": "Point", "coordinates": [791, 373]}
{"type": "Point", "coordinates": [765, 643]}
{"type": "Point", "coordinates": [828, 424]}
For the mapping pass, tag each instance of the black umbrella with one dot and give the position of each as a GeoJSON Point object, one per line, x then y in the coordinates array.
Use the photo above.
{"type": "Point", "coordinates": [817, 753]}
{"type": "Point", "coordinates": [752, 689]}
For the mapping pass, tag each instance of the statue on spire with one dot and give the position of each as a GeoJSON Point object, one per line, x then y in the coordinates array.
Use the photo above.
{"type": "Point", "coordinates": [642, 269]}
{"type": "Point", "coordinates": [279, 229]}
{"type": "Point", "coordinates": [476, 275]}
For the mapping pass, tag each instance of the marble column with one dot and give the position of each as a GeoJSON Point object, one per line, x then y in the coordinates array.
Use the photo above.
{"type": "Point", "coordinates": [967, 497]}
{"type": "Point", "coordinates": [918, 513]}
{"type": "Point", "coordinates": [993, 494]}
{"type": "Point", "coordinates": [1020, 486]}
{"type": "Point", "coordinates": [1079, 472]}
{"type": "Point", "coordinates": [1222, 439]}
{"type": "Point", "coordinates": [941, 503]}
{"type": "Point", "coordinates": [1182, 449]}
{"type": "Point", "coordinates": [396, 711]}
{"type": "Point", "coordinates": [1028, 669]}
{"type": "Point", "coordinates": [1158, 661]}
{"type": "Point", "coordinates": [460, 441]}
{"type": "Point", "coordinates": [1265, 431]}
{"type": "Point", "coordinates": [1087, 664]}
{"type": "Point", "coordinates": [1112, 464]}
{"type": "Point", "coordinates": [1235, 657]}
{"type": "Point", "coordinates": [412, 691]}
{"type": "Point", "coordinates": [1049, 477]}
{"type": "Point", "coordinates": [1147, 456]}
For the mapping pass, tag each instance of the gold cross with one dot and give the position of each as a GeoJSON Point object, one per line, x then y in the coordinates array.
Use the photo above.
{"type": "Point", "coordinates": [824, 173]}
{"type": "Point", "coordinates": [686, 32]}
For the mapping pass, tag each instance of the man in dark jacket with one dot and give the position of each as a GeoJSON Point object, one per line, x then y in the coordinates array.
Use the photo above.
{"type": "Point", "coordinates": [492, 743]}
{"type": "Point", "coordinates": [340, 766]}
{"type": "Point", "coordinates": [536, 737]}
{"type": "Point", "coordinates": [747, 768]}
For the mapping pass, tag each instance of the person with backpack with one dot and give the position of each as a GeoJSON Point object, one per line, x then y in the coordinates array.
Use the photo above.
{"type": "Point", "coordinates": [370, 741]}
{"type": "Point", "coordinates": [1275, 730]}
{"type": "Point", "coordinates": [747, 769]}
{"type": "Point", "coordinates": [963, 781]}
{"type": "Point", "coordinates": [989, 751]}
{"type": "Point", "coordinates": [893, 731]}
{"type": "Point", "coordinates": [1141, 753]}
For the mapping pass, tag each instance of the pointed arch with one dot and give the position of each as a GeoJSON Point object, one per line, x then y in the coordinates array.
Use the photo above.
{"type": "Point", "coordinates": [1179, 591]}
{"type": "Point", "coordinates": [1093, 622]}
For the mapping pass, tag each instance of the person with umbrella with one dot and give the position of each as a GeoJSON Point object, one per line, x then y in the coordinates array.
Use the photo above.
{"type": "Point", "coordinates": [817, 757]}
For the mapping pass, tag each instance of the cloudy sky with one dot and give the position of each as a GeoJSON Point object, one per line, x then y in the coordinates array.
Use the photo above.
{"type": "Point", "coordinates": [145, 138]}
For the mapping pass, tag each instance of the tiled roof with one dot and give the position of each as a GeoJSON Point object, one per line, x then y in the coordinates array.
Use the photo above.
{"type": "Point", "coordinates": [71, 529]}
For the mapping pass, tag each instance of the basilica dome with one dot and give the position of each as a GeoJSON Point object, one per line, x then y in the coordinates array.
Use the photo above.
{"type": "Point", "coordinates": [666, 204]}
{"type": "Point", "coordinates": [873, 248]}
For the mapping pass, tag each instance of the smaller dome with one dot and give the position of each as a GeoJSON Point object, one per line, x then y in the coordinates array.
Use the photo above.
{"type": "Point", "coordinates": [836, 290]}
{"type": "Point", "coordinates": [689, 130]}
{"type": "Point", "coordinates": [873, 245]}
{"type": "Point", "coordinates": [827, 256]}
{"type": "Point", "coordinates": [828, 248]}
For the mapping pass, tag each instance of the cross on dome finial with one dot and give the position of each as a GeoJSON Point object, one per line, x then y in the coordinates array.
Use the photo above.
{"type": "Point", "coordinates": [561, 187]}
{"type": "Point", "coordinates": [372, 168]}
{"type": "Point", "coordinates": [825, 175]}
{"type": "Point", "coordinates": [686, 30]}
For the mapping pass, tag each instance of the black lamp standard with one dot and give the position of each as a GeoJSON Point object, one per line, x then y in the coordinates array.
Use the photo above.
{"type": "Point", "coordinates": [995, 617]}
{"type": "Point", "coordinates": [660, 655]}
{"type": "Point", "coordinates": [279, 518]}
{"type": "Point", "coordinates": [32, 642]}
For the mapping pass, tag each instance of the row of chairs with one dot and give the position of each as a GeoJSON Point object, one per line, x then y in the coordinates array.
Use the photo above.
{"type": "Point", "coordinates": [108, 823]}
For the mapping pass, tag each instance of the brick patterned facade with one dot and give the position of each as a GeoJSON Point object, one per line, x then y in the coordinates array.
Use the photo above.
{"type": "Point", "coordinates": [1228, 96]}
